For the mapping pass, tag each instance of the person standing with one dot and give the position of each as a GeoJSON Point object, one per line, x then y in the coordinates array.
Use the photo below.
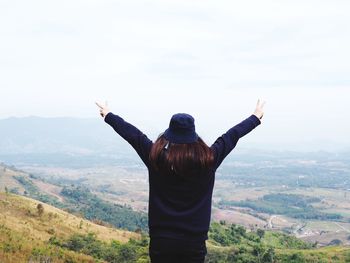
{"type": "Point", "coordinates": [181, 170]}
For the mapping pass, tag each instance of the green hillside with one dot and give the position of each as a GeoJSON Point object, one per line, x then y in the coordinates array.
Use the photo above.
{"type": "Point", "coordinates": [74, 199]}
{"type": "Point", "coordinates": [30, 230]}
{"type": "Point", "coordinates": [233, 243]}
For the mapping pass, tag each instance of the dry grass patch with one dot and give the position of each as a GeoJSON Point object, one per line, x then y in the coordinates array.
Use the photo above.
{"type": "Point", "coordinates": [21, 214]}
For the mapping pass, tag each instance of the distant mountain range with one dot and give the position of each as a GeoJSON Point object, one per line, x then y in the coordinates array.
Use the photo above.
{"type": "Point", "coordinates": [56, 135]}
{"type": "Point", "coordinates": [73, 141]}
{"type": "Point", "coordinates": [80, 142]}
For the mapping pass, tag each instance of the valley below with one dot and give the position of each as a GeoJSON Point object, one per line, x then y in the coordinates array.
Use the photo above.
{"type": "Point", "coordinates": [267, 207]}
{"type": "Point", "coordinates": [307, 196]}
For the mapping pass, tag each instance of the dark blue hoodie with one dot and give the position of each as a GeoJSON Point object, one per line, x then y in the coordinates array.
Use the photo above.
{"type": "Point", "coordinates": [180, 208]}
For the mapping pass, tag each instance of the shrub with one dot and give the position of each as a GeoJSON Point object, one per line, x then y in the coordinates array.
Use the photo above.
{"type": "Point", "coordinates": [40, 209]}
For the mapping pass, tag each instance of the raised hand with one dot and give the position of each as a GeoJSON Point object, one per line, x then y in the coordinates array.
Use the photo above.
{"type": "Point", "coordinates": [259, 110]}
{"type": "Point", "coordinates": [104, 110]}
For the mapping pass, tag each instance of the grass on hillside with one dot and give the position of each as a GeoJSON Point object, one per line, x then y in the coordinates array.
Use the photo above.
{"type": "Point", "coordinates": [18, 247]}
{"type": "Point", "coordinates": [24, 231]}
{"type": "Point", "coordinates": [21, 213]}
{"type": "Point", "coordinates": [32, 233]}
{"type": "Point", "coordinates": [333, 254]}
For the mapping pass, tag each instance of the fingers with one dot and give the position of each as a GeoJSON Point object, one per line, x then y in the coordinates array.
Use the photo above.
{"type": "Point", "coordinates": [260, 104]}
{"type": "Point", "coordinates": [99, 105]}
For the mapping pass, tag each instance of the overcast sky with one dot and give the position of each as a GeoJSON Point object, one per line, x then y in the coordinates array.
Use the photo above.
{"type": "Point", "coordinates": [212, 59]}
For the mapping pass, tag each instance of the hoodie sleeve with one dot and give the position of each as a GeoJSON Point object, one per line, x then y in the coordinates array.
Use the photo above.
{"type": "Point", "coordinates": [225, 143]}
{"type": "Point", "coordinates": [132, 135]}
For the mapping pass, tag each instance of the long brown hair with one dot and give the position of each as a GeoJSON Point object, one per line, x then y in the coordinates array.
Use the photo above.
{"type": "Point", "coordinates": [181, 159]}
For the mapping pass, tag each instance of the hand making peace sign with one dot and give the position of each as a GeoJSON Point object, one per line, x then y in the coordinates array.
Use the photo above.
{"type": "Point", "coordinates": [104, 110]}
{"type": "Point", "coordinates": [259, 110]}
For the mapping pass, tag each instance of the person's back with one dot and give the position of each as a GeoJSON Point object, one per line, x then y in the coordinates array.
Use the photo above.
{"type": "Point", "coordinates": [181, 178]}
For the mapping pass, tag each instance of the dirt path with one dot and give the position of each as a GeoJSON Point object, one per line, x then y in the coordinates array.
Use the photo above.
{"type": "Point", "coordinates": [342, 227]}
{"type": "Point", "coordinates": [269, 223]}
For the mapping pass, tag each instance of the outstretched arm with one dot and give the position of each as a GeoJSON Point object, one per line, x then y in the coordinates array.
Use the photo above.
{"type": "Point", "coordinates": [130, 133]}
{"type": "Point", "coordinates": [225, 143]}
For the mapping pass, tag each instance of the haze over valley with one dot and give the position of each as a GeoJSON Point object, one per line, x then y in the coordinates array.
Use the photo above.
{"type": "Point", "coordinates": [306, 194]}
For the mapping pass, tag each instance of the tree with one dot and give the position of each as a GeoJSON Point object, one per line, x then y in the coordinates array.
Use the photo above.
{"type": "Point", "coordinates": [127, 253]}
{"type": "Point", "coordinates": [269, 255]}
{"type": "Point", "coordinates": [335, 242]}
{"type": "Point", "coordinates": [260, 233]}
{"type": "Point", "coordinates": [40, 209]}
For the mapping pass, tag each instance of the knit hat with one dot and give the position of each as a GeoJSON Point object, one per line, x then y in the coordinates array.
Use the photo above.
{"type": "Point", "coordinates": [181, 129]}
